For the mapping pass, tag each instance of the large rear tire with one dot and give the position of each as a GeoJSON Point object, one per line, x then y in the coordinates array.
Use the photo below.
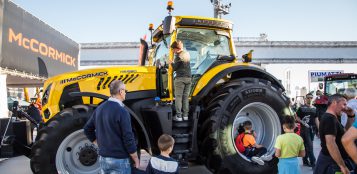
{"type": "Point", "coordinates": [61, 146]}
{"type": "Point", "coordinates": [244, 99]}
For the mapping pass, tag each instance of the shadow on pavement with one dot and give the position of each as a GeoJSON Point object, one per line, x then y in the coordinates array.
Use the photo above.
{"type": "Point", "coordinates": [21, 164]}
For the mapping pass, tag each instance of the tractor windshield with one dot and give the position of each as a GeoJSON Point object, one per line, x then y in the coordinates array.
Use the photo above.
{"type": "Point", "coordinates": [339, 86]}
{"type": "Point", "coordinates": [204, 46]}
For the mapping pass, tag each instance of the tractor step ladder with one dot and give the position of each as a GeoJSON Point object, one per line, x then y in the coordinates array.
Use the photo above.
{"type": "Point", "coordinates": [181, 133]}
{"type": "Point", "coordinates": [184, 133]}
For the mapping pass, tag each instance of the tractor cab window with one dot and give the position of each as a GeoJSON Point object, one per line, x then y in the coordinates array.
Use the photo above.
{"type": "Point", "coordinates": [161, 56]}
{"type": "Point", "coordinates": [339, 86]}
{"type": "Point", "coordinates": [162, 52]}
{"type": "Point", "coordinates": [204, 46]}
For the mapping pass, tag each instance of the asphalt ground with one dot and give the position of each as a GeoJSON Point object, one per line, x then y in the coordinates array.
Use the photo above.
{"type": "Point", "coordinates": [21, 164]}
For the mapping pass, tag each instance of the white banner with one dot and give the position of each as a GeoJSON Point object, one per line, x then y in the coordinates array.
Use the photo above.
{"type": "Point", "coordinates": [318, 76]}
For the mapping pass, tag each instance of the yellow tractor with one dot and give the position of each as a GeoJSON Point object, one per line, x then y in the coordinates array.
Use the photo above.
{"type": "Point", "coordinates": [225, 92]}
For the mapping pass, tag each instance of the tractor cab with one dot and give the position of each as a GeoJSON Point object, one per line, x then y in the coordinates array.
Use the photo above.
{"type": "Point", "coordinates": [208, 41]}
{"type": "Point", "coordinates": [337, 84]}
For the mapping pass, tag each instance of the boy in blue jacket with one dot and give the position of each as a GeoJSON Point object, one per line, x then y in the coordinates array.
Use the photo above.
{"type": "Point", "coordinates": [163, 164]}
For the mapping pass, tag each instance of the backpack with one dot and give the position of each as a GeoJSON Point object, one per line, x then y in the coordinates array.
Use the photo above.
{"type": "Point", "coordinates": [239, 142]}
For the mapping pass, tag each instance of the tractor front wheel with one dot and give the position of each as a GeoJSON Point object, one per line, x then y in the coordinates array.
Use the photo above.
{"type": "Point", "coordinates": [62, 147]}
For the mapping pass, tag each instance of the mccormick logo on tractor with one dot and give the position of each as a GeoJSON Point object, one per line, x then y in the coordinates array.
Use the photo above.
{"type": "Point", "coordinates": [41, 48]}
{"type": "Point", "coordinates": [81, 77]}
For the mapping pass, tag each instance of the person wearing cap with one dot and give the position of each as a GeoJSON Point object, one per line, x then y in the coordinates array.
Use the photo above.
{"type": "Point", "coordinates": [182, 81]}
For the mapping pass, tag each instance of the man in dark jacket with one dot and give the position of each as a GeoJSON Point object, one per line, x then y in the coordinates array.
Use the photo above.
{"type": "Point", "coordinates": [182, 82]}
{"type": "Point", "coordinates": [110, 127]}
{"type": "Point", "coordinates": [306, 115]}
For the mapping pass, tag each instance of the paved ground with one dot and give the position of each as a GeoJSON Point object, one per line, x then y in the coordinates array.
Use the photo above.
{"type": "Point", "coordinates": [21, 164]}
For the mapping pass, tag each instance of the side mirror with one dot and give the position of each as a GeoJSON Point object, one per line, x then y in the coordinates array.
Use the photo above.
{"type": "Point", "coordinates": [168, 25]}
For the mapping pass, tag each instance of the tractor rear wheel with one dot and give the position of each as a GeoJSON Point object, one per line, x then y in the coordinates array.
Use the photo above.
{"type": "Point", "coordinates": [253, 99]}
{"type": "Point", "coordinates": [62, 147]}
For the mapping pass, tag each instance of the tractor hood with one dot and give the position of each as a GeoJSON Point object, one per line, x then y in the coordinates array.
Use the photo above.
{"type": "Point", "coordinates": [140, 81]}
{"type": "Point", "coordinates": [104, 75]}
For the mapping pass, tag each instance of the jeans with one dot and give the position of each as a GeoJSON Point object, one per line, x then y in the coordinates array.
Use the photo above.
{"type": "Point", "coordinates": [326, 165]}
{"type": "Point", "coordinates": [250, 152]}
{"type": "Point", "coordinates": [313, 131]}
{"type": "Point", "coordinates": [182, 92]}
{"type": "Point", "coordinates": [110, 165]}
{"type": "Point", "coordinates": [306, 136]}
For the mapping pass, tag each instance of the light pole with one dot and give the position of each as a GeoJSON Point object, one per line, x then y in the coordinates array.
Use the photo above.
{"type": "Point", "coordinates": [220, 8]}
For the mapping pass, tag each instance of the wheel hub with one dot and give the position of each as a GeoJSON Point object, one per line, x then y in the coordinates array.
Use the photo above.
{"type": "Point", "coordinates": [77, 155]}
{"type": "Point", "coordinates": [88, 155]}
{"type": "Point", "coordinates": [265, 123]}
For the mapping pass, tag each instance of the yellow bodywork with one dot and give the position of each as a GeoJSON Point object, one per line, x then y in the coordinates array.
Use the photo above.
{"type": "Point", "coordinates": [136, 78]}
{"type": "Point", "coordinates": [207, 77]}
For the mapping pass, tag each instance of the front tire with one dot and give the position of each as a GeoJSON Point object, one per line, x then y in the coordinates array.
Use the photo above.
{"type": "Point", "coordinates": [239, 100]}
{"type": "Point", "coordinates": [61, 146]}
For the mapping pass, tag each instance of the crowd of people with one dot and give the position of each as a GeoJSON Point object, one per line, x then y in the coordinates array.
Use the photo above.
{"type": "Point", "coordinates": [338, 148]}
{"type": "Point", "coordinates": [110, 128]}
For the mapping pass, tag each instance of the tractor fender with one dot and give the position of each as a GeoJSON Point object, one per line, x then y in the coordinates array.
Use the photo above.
{"type": "Point", "coordinates": [132, 113]}
{"type": "Point", "coordinates": [237, 70]}
{"type": "Point", "coordinates": [142, 127]}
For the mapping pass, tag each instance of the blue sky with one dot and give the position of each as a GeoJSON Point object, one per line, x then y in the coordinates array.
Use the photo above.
{"type": "Point", "coordinates": [116, 20]}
